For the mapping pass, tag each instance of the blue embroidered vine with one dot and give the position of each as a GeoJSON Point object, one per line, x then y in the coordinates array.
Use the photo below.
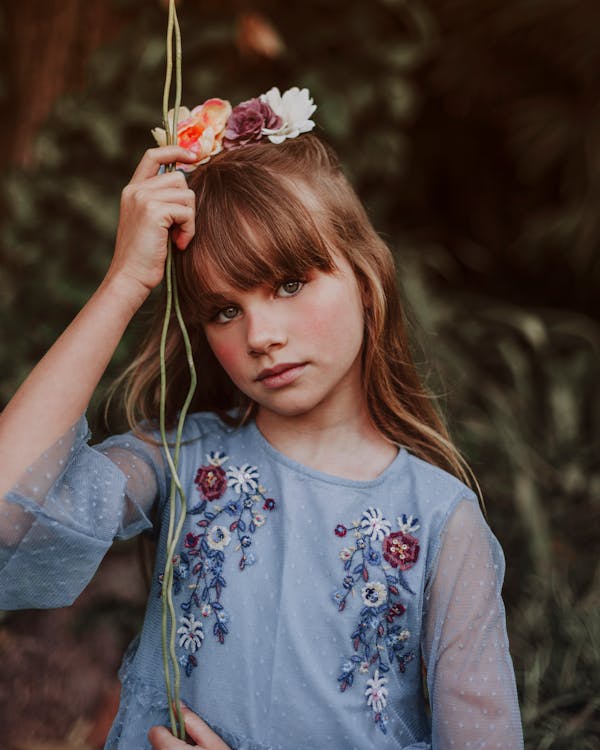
{"type": "Point", "coordinates": [379, 638]}
{"type": "Point", "coordinates": [200, 562]}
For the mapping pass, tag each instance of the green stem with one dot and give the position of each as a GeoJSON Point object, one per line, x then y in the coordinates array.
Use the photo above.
{"type": "Point", "coordinates": [175, 528]}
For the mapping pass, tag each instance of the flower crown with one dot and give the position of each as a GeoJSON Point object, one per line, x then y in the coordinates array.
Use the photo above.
{"type": "Point", "coordinates": [215, 126]}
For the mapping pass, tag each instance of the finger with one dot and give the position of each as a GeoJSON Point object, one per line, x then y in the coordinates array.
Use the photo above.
{"type": "Point", "coordinates": [154, 157]}
{"type": "Point", "coordinates": [161, 739]}
{"type": "Point", "coordinates": [167, 195]}
{"type": "Point", "coordinates": [201, 733]}
{"type": "Point", "coordinates": [180, 218]}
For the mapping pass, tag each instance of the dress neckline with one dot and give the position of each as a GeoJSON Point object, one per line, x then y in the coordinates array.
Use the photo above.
{"type": "Point", "coordinates": [393, 468]}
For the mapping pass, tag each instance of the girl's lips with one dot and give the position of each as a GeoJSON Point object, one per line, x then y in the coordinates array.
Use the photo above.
{"type": "Point", "coordinates": [283, 377]}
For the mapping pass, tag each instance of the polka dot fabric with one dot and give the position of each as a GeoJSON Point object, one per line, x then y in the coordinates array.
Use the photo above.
{"type": "Point", "coordinates": [306, 603]}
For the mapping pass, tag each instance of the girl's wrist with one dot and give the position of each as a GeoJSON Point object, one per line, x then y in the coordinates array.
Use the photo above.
{"type": "Point", "coordinates": [124, 289]}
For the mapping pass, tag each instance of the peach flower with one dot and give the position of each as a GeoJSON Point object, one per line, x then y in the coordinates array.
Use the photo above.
{"type": "Point", "coordinates": [200, 130]}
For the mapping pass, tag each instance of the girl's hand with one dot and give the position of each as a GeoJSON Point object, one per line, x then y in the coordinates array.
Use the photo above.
{"type": "Point", "coordinates": [151, 205]}
{"type": "Point", "coordinates": [204, 737]}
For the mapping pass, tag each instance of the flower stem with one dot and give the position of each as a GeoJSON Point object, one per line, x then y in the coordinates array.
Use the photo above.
{"type": "Point", "coordinates": [172, 298]}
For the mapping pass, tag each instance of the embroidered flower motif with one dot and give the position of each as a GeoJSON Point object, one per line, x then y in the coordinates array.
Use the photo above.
{"type": "Point", "coordinates": [374, 524]}
{"type": "Point", "coordinates": [200, 562]}
{"type": "Point", "coordinates": [191, 633]}
{"type": "Point", "coordinates": [340, 530]}
{"type": "Point", "coordinates": [243, 479]}
{"type": "Point", "coordinates": [376, 692]}
{"type": "Point", "coordinates": [378, 639]}
{"type": "Point", "coordinates": [401, 550]}
{"type": "Point", "coordinates": [211, 481]}
{"type": "Point", "coordinates": [408, 524]}
{"type": "Point", "coordinates": [191, 540]}
{"type": "Point", "coordinates": [373, 594]}
{"type": "Point", "coordinates": [218, 537]}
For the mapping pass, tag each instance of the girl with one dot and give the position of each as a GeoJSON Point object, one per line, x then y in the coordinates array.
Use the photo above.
{"type": "Point", "coordinates": [331, 546]}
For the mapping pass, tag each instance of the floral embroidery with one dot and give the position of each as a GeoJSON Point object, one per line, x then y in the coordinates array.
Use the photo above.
{"type": "Point", "coordinates": [379, 639]}
{"type": "Point", "coordinates": [211, 480]}
{"type": "Point", "coordinates": [198, 568]}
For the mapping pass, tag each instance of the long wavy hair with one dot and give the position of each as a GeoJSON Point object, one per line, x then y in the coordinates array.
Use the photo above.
{"type": "Point", "coordinates": [266, 213]}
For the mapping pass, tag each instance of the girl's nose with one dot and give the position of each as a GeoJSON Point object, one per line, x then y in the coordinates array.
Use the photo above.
{"type": "Point", "coordinates": [264, 330]}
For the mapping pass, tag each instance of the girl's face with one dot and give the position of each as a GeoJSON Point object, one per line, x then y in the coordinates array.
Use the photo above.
{"type": "Point", "coordinates": [294, 348]}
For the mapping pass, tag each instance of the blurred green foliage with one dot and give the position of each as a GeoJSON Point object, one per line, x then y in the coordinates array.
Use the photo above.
{"type": "Point", "coordinates": [470, 131]}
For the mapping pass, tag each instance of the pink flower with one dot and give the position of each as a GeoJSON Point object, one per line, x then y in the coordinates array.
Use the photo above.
{"type": "Point", "coordinates": [401, 550]}
{"type": "Point", "coordinates": [247, 121]}
{"type": "Point", "coordinates": [211, 482]}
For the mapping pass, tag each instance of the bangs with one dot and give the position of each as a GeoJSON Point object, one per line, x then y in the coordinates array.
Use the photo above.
{"type": "Point", "coordinates": [252, 228]}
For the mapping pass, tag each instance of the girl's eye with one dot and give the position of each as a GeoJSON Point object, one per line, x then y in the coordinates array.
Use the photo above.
{"type": "Point", "coordinates": [289, 288]}
{"type": "Point", "coordinates": [226, 313]}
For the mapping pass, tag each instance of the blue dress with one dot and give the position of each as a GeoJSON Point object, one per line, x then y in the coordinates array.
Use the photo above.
{"type": "Point", "coordinates": [308, 605]}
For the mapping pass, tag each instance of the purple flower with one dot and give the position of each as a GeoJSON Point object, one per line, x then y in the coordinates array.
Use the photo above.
{"type": "Point", "coordinates": [246, 123]}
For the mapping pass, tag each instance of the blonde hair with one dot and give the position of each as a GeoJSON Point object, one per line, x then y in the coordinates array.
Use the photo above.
{"type": "Point", "coordinates": [267, 213]}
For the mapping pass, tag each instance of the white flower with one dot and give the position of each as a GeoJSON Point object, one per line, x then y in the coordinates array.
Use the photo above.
{"type": "Point", "coordinates": [347, 552]}
{"type": "Point", "coordinates": [373, 524]}
{"type": "Point", "coordinates": [376, 692]}
{"type": "Point", "coordinates": [364, 667]}
{"type": "Point", "coordinates": [218, 537]}
{"type": "Point", "coordinates": [408, 524]}
{"type": "Point", "coordinates": [206, 610]}
{"type": "Point", "coordinates": [191, 633]}
{"type": "Point", "coordinates": [294, 107]}
{"type": "Point", "coordinates": [374, 594]}
{"type": "Point", "coordinates": [242, 479]}
{"type": "Point", "coordinates": [259, 519]}
{"type": "Point", "coordinates": [216, 458]}
{"type": "Point", "coordinates": [404, 635]}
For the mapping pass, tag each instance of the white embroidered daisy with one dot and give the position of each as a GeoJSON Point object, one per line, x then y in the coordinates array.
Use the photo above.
{"type": "Point", "coordinates": [218, 537]}
{"type": "Point", "coordinates": [216, 458]}
{"type": "Point", "coordinates": [206, 610]}
{"type": "Point", "coordinates": [408, 524]}
{"type": "Point", "coordinates": [376, 692]}
{"type": "Point", "coordinates": [347, 552]}
{"type": "Point", "coordinates": [243, 478]}
{"type": "Point", "coordinates": [374, 594]}
{"type": "Point", "coordinates": [295, 108]}
{"type": "Point", "coordinates": [190, 633]}
{"type": "Point", "coordinates": [373, 524]}
{"type": "Point", "coordinates": [259, 519]}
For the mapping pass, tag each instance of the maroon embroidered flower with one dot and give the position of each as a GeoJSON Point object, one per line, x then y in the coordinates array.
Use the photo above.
{"type": "Point", "coordinates": [191, 540]}
{"type": "Point", "coordinates": [396, 610]}
{"type": "Point", "coordinates": [340, 530]}
{"type": "Point", "coordinates": [401, 550]}
{"type": "Point", "coordinates": [211, 481]}
{"type": "Point", "coordinates": [246, 122]}
{"type": "Point", "coordinates": [269, 504]}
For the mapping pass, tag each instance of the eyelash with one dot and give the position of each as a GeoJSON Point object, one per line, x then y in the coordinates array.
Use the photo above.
{"type": "Point", "coordinates": [301, 282]}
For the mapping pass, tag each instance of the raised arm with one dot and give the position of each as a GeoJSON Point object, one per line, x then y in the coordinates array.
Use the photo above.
{"type": "Point", "coordinates": [58, 390]}
{"type": "Point", "coordinates": [470, 674]}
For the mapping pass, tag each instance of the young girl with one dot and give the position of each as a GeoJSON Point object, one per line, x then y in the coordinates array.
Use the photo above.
{"type": "Point", "coordinates": [332, 550]}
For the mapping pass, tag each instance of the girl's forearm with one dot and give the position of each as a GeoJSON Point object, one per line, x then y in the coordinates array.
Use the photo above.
{"type": "Point", "coordinates": [59, 388]}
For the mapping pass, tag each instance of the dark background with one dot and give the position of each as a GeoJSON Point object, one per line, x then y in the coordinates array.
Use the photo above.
{"type": "Point", "coordinates": [471, 130]}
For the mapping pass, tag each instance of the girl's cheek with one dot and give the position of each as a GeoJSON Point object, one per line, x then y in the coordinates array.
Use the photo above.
{"type": "Point", "coordinates": [226, 352]}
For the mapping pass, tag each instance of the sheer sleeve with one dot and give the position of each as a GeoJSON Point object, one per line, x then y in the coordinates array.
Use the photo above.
{"type": "Point", "coordinates": [465, 647]}
{"type": "Point", "coordinates": [59, 520]}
